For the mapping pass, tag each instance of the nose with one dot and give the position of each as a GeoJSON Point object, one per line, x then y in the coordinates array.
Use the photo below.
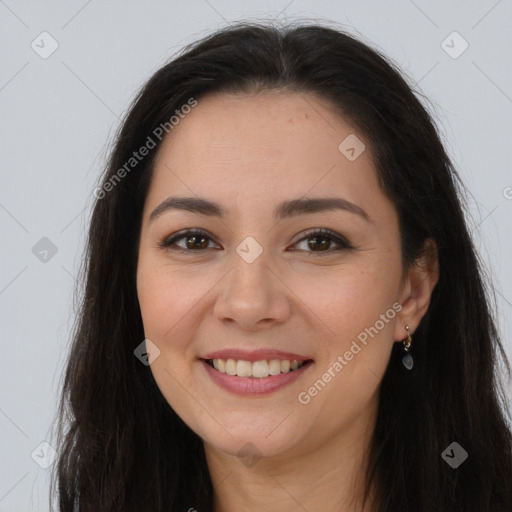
{"type": "Point", "coordinates": [253, 296]}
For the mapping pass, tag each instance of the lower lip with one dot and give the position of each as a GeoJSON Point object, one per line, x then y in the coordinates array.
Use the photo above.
{"type": "Point", "coordinates": [251, 385]}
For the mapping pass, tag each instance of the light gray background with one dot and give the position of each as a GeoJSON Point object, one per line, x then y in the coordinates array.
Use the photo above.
{"type": "Point", "coordinates": [59, 113]}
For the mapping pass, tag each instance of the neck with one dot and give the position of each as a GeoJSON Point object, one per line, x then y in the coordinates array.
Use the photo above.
{"type": "Point", "coordinates": [328, 475]}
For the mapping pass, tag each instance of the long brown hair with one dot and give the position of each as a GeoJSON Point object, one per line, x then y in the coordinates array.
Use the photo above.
{"type": "Point", "coordinates": [122, 447]}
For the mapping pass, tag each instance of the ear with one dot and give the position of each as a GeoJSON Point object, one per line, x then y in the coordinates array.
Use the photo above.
{"type": "Point", "coordinates": [416, 290]}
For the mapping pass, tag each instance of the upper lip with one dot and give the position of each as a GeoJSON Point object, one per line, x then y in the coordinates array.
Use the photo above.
{"type": "Point", "coordinates": [255, 355]}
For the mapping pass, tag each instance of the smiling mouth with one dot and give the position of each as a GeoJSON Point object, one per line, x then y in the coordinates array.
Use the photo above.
{"type": "Point", "coordinates": [255, 369]}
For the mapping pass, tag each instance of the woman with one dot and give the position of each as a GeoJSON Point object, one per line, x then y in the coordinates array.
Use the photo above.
{"type": "Point", "coordinates": [283, 308]}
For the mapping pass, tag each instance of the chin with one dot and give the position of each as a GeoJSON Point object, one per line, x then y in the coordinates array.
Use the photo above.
{"type": "Point", "coordinates": [250, 443]}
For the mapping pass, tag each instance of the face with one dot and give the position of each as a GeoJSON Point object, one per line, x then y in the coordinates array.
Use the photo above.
{"type": "Point", "coordinates": [260, 285]}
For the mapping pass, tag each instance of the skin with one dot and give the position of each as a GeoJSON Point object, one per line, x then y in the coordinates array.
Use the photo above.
{"type": "Point", "coordinates": [249, 153]}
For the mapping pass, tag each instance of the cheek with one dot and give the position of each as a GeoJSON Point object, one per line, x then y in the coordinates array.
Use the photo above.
{"type": "Point", "coordinates": [165, 297]}
{"type": "Point", "coordinates": [355, 348]}
{"type": "Point", "coordinates": [167, 303]}
{"type": "Point", "coordinates": [349, 299]}
{"type": "Point", "coordinates": [355, 304]}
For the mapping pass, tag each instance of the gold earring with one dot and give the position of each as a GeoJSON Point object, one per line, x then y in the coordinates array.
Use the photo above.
{"type": "Point", "coordinates": [407, 359]}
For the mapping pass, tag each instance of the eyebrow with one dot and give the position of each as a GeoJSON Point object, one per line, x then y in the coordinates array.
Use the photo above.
{"type": "Point", "coordinates": [284, 210]}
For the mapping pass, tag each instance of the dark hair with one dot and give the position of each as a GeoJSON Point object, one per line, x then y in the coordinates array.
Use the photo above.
{"type": "Point", "coordinates": [123, 448]}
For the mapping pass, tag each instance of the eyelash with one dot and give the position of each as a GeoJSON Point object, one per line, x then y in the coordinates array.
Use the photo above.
{"type": "Point", "coordinates": [320, 233]}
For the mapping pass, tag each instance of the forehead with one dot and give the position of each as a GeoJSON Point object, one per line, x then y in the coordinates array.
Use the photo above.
{"type": "Point", "coordinates": [283, 124]}
{"type": "Point", "coordinates": [270, 145]}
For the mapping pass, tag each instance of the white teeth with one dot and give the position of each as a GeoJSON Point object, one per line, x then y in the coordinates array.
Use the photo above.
{"type": "Point", "coordinates": [243, 368]}
{"type": "Point", "coordinates": [274, 367]}
{"type": "Point", "coordinates": [257, 369]}
{"type": "Point", "coordinates": [231, 367]}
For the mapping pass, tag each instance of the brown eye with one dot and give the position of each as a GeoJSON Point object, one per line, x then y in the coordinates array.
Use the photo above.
{"type": "Point", "coordinates": [320, 241]}
{"type": "Point", "coordinates": [194, 240]}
